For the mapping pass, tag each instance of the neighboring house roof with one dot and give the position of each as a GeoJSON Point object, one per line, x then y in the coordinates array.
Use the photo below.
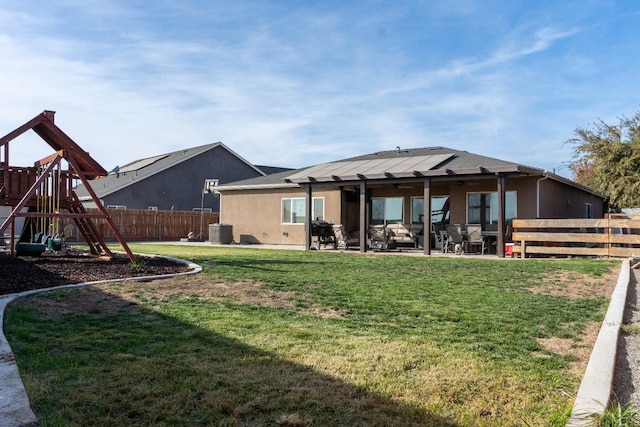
{"type": "Point", "coordinates": [268, 170]}
{"type": "Point", "coordinates": [398, 164]}
{"type": "Point", "coordinates": [138, 170]}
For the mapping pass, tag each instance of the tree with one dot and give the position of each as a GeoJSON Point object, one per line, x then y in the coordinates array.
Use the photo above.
{"type": "Point", "coordinates": [607, 159]}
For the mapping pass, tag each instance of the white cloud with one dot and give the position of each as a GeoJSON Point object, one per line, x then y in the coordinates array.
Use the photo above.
{"type": "Point", "coordinates": [294, 86]}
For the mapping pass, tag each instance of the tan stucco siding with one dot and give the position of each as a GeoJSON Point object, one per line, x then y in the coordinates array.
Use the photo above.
{"type": "Point", "coordinates": [561, 201]}
{"type": "Point", "coordinates": [256, 214]}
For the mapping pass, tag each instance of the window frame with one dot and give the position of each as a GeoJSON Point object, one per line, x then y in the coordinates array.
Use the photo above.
{"type": "Point", "coordinates": [492, 209]}
{"type": "Point", "coordinates": [302, 200]}
{"type": "Point", "coordinates": [385, 220]}
{"type": "Point", "coordinates": [588, 210]}
{"type": "Point", "coordinates": [414, 198]}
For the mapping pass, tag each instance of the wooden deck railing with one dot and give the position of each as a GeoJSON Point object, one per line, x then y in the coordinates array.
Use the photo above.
{"type": "Point", "coordinates": [615, 236]}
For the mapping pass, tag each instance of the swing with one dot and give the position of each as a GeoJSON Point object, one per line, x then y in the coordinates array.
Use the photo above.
{"type": "Point", "coordinates": [38, 244]}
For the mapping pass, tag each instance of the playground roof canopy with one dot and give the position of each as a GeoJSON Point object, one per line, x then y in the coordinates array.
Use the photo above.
{"type": "Point", "coordinates": [43, 125]}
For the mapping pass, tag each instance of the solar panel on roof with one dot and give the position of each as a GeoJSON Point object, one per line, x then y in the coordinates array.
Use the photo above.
{"type": "Point", "coordinates": [370, 169]}
{"type": "Point", "coordinates": [141, 164]}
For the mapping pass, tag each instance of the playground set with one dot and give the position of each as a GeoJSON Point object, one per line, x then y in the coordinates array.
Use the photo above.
{"type": "Point", "coordinates": [44, 194]}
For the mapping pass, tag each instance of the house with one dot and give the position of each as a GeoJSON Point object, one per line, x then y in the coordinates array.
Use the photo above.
{"type": "Point", "coordinates": [181, 180]}
{"type": "Point", "coordinates": [390, 187]}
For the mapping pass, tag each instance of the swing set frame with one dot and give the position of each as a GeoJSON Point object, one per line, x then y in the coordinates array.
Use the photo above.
{"type": "Point", "coordinates": [46, 189]}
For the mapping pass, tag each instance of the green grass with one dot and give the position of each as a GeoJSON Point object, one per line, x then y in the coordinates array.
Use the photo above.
{"type": "Point", "coordinates": [325, 339]}
{"type": "Point", "coordinates": [615, 415]}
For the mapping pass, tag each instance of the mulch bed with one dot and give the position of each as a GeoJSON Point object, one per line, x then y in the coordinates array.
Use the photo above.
{"type": "Point", "coordinates": [23, 273]}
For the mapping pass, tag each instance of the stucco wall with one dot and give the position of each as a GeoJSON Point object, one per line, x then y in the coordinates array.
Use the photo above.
{"type": "Point", "coordinates": [256, 215]}
{"type": "Point", "coordinates": [560, 201]}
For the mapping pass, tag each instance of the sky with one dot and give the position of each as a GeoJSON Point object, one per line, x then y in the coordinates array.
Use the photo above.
{"type": "Point", "coordinates": [297, 83]}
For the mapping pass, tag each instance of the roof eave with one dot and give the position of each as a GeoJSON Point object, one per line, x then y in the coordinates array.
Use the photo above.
{"type": "Point", "coordinates": [479, 170]}
{"type": "Point", "coordinates": [574, 184]}
{"type": "Point", "coordinates": [223, 188]}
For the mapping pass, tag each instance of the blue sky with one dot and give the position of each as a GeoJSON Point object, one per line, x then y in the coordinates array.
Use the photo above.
{"type": "Point", "coordinates": [295, 83]}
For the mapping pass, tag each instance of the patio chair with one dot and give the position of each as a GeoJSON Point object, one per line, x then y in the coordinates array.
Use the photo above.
{"type": "Point", "coordinates": [344, 239]}
{"type": "Point", "coordinates": [475, 238]}
{"type": "Point", "coordinates": [439, 237]}
{"type": "Point", "coordinates": [455, 242]}
{"type": "Point", "coordinates": [443, 241]}
{"type": "Point", "coordinates": [380, 238]}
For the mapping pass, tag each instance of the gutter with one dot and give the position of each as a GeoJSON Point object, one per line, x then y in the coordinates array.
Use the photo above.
{"type": "Point", "coordinates": [221, 189]}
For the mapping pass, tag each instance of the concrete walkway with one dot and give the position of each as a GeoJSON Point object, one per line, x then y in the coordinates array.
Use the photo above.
{"type": "Point", "coordinates": [597, 383]}
{"type": "Point", "coordinates": [14, 402]}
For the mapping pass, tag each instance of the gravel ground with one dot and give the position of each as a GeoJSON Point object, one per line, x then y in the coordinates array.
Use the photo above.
{"type": "Point", "coordinates": [626, 380]}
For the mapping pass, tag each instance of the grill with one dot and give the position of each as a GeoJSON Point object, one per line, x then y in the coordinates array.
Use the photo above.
{"type": "Point", "coordinates": [324, 232]}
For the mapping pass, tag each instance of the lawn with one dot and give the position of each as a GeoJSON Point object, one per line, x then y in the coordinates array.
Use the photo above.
{"type": "Point", "coordinates": [290, 338]}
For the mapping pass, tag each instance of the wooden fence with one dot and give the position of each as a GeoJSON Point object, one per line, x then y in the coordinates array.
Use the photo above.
{"type": "Point", "coordinates": [147, 225]}
{"type": "Point", "coordinates": [615, 236]}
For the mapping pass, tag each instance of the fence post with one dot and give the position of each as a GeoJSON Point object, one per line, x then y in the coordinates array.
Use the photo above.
{"type": "Point", "coordinates": [159, 214]}
{"type": "Point", "coordinates": [607, 231]}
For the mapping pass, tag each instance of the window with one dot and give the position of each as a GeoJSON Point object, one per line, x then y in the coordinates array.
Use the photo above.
{"type": "Point", "coordinates": [417, 210]}
{"type": "Point", "coordinates": [152, 208]}
{"type": "Point", "coordinates": [589, 210]}
{"type": "Point", "coordinates": [387, 210]}
{"type": "Point", "coordinates": [120, 207]}
{"type": "Point", "coordinates": [482, 208]}
{"type": "Point", "coordinates": [439, 210]}
{"type": "Point", "coordinates": [293, 210]}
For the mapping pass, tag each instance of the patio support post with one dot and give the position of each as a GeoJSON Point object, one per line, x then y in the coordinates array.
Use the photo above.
{"type": "Point", "coordinates": [426, 223]}
{"type": "Point", "coordinates": [501, 216]}
{"type": "Point", "coordinates": [307, 220]}
{"type": "Point", "coordinates": [363, 216]}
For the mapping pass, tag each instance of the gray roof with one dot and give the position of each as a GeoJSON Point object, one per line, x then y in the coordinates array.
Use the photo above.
{"type": "Point", "coordinates": [147, 167]}
{"type": "Point", "coordinates": [408, 163]}
{"type": "Point", "coordinates": [268, 170]}
{"type": "Point", "coordinates": [398, 164]}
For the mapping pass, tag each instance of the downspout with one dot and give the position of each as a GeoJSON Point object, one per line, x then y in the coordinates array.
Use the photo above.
{"type": "Point", "coordinates": [538, 193]}
{"type": "Point", "coordinates": [219, 195]}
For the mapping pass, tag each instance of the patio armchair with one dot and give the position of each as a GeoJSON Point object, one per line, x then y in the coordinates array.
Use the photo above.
{"type": "Point", "coordinates": [439, 236]}
{"type": "Point", "coordinates": [380, 238]}
{"type": "Point", "coordinates": [454, 238]}
{"type": "Point", "coordinates": [343, 239]}
{"type": "Point", "coordinates": [475, 237]}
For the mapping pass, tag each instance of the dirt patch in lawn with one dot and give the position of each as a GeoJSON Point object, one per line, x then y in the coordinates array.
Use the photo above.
{"type": "Point", "coordinates": [579, 348]}
{"type": "Point", "coordinates": [577, 285]}
{"type": "Point", "coordinates": [129, 296]}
